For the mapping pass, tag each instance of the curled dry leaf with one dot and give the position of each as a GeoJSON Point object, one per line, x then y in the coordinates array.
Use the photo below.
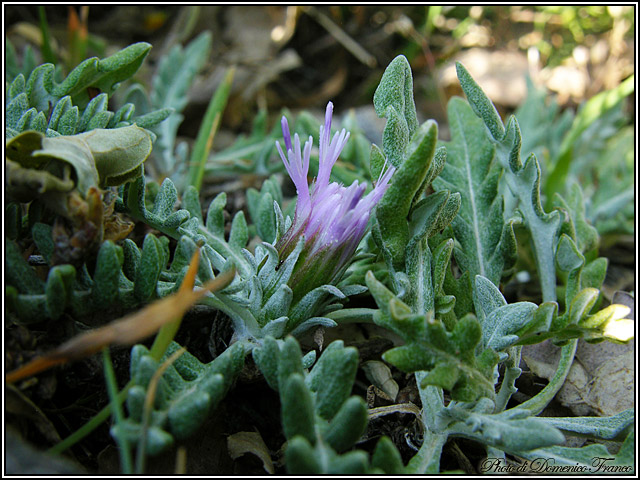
{"type": "Point", "coordinates": [250, 442]}
{"type": "Point", "coordinates": [130, 329]}
{"type": "Point", "coordinates": [380, 376]}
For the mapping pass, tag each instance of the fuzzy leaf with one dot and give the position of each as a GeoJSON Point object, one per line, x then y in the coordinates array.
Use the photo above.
{"type": "Point", "coordinates": [103, 74]}
{"type": "Point", "coordinates": [333, 377]}
{"type": "Point", "coordinates": [430, 346]}
{"type": "Point", "coordinates": [266, 357]}
{"type": "Point", "coordinates": [486, 243]}
{"type": "Point", "coordinates": [386, 457]}
{"type": "Point", "coordinates": [100, 157]}
{"type": "Point", "coordinates": [512, 430]}
{"type": "Point", "coordinates": [393, 209]}
{"type": "Point", "coordinates": [608, 428]}
{"type": "Point", "coordinates": [523, 181]}
{"type": "Point", "coordinates": [19, 273]}
{"type": "Point", "coordinates": [187, 391]}
{"type": "Point", "coordinates": [301, 458]}
{"type": "Point", "coordinates": [500, 321]}
{"type": "Point", "coordinates": [348, 425]}
{"type": "Point", "coordinates": [148, 268]}
{"type": "Point", "coordinates": [41, 155]}
{"type": "Point", "coordinates": [594, 458]}
{"type": "Point", "coordinates": [481, 105]}
{"type": "Point", "coordinates": [107, 274]}
{"type": "Point", "coordinates": [396, 91]}
{"type": "Point", "coordinates": [58, 289]}
{"type": "Point", "coordinates": [297, 409]}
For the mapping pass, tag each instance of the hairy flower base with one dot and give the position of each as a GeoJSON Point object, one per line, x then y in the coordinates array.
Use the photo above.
{"type": "Point", "coordinates": [332, 218]}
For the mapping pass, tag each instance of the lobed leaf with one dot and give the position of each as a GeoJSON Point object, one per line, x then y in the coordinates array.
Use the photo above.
{"type": "Point", "coordinates": [487, 244]}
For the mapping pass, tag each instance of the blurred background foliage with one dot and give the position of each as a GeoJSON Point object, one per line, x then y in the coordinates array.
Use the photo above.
{"type": "Point", "coordinates": [302, 56]}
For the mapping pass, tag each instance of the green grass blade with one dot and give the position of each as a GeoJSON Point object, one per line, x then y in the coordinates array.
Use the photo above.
{"type": "Point", "coordinates": [207, 131]}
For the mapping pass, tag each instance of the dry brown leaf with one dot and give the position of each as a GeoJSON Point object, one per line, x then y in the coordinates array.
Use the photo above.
{"type": "Point", "coordinates": [250, 442]}
{"type": "Point", "coordinates": [380, 376]}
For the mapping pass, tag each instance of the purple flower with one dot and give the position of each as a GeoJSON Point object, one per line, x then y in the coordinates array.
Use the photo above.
{"type": "Point", "coordinates": [332, 218]}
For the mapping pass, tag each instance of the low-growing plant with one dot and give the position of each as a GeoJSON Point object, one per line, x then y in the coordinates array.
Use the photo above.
{"type": "Point", "coordinates": [424, 237]}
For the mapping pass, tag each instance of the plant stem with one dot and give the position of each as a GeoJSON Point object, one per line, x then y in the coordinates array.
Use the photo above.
{"type": "Point", "coordinates": [511, 374]}
{"type": "Point", "coordinates": [126, 462]}
{"type": "Point", "coordinates": [91, 425]}
{"type": "Point", "coordinates": [538, 403]}
{"type": "Point", "coordinates": [427, 460]}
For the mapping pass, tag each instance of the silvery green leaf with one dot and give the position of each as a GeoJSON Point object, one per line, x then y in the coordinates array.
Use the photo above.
{"type": "Point", "coordinates": [348, 424]}
{"type": "Point", "coordinates": [500, 321]}
{"type": "Point", "coordinates": [608, 428]}
{"type": "Point", "coordinates": [313, 322]}
{"type": "Point", "coordinates": [430, 347]}
{"type": "Point", "coordinates": [289, 360]}
{"type": "Point", "coordinates": [481, 105]}
{"type": "Point", "coordinates": [33, 152]}
{"type": "Point", "coordinates": [266, 356]}
{"type": "Point", "coordinates": [148, 268]}
{"type": "Point", "coordinates": [239, 235]}
{"type": "Point", "coordinates": [506, 431]}
{"type": "Point", "coordinates": [15, 109]}
{"type": "Point", "coordinates": [523, 181]}
{"type": "Point", "coordinates": [396, 91]}
{"type": "Point", "coordinates": [332, 379]}
{"type": "Point", "coordinates": [104, 74]}
{"type": "Point", "coordinates": [215, 216]}
{"type": "Point", "coordinates": [500, 326]}
{"type": "Point", "coordinates": [19, 273]}
{"type": "Point", "coordinates": [217, 260]}
{"type": "Point", "coordinates": [387, 458]}
{"type": "Point", "coordinates": [377, 160]}
{"type": "Point", "coordinates": [418, 259]}
{"type": "Point", "coordinates": [425, 213]}
{"type": "Point", "coordinates": [58, 289]}
{"type": "Point", "coordinates": [108, 264]}
{"type": "Point", "coordinates": [273, 281]}
{"type": "Point", "coordinates": [487, 243]}
{"type": "Point", "coordinates": [281, 224]}
{"type": "Point", "coordinates": [147, 120]}
{"type": "Point", "coordinates": [186, 394]}
{"type": "Point", "coordinates": [311, 302]}
{"type": "Point", "coordinates": [278, 304]}
{"type": "Point", "coordinates": [165, 199]}
{"type": "Point", "coordinates": [578, 228]}
{"type": "Point", "coordinates": [250, 259]}
{"type": "Point", "coordinates": [440, 261]}
{"type": "Point", "coordinates": [297, 409]}
{"type": "Point", "coordinates": [309, 359]}
{"type": "Point", "coordinates": [594, 458]}
{"type": "Point", "coordinates": [275, 328]}
{"type": "Point", "coordinates": [263, 209]}
{"type": "Point", "coordinates": [98, 105]}
{"type": "Point", "coordinates": [393, 209]}
{"type": "Point", "coordinates": [118, 154]}
{"type": "Point", "coordinates": [301, 458]}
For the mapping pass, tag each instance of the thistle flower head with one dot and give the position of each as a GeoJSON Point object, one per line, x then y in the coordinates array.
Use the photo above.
{"type": "Point", "coordinates": [333, 218]}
